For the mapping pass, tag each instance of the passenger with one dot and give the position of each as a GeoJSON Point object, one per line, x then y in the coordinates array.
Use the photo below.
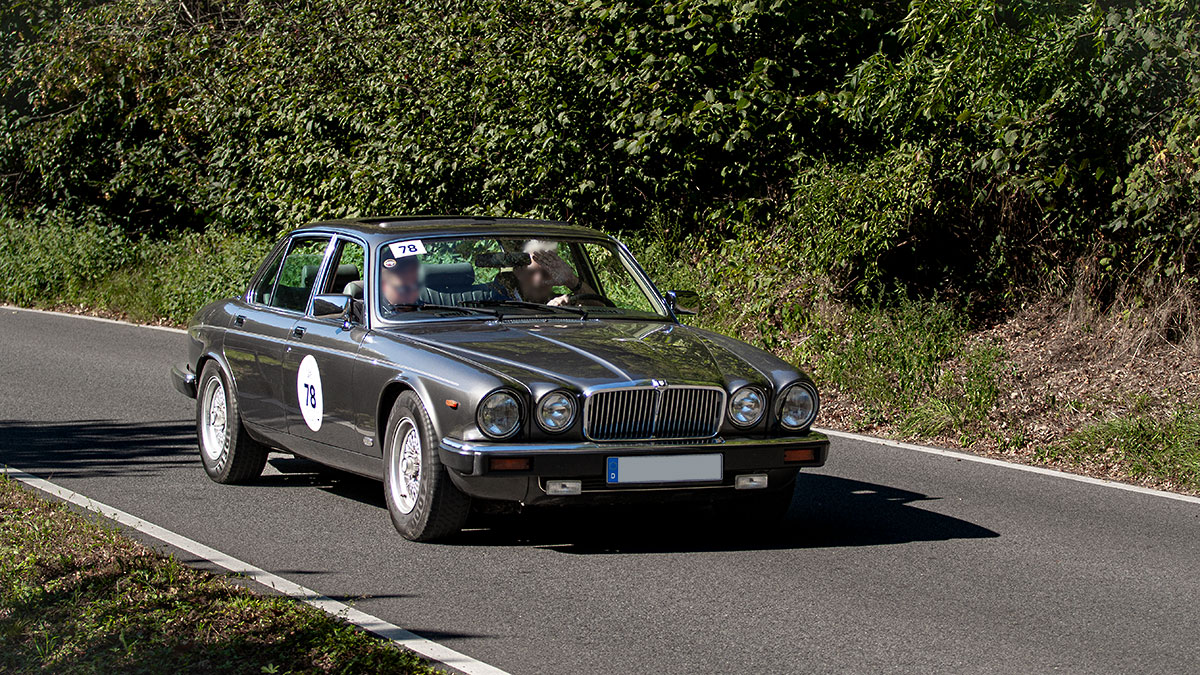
{"type": "Point", "coordinates": [536, 281]}
{"type": "Point", "coordinates": [400, 283]}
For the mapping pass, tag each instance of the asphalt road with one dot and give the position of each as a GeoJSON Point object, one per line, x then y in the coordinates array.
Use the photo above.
{"type": "Point", "coordinates": [891, 560]}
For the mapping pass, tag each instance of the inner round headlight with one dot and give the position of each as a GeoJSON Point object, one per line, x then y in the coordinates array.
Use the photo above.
{"type": "Point", "coordinates": [556, 411]}
{"type": "Point", "coordinates": [498, 414]}
{"type": "Point", "coordinates": [798, 406]}
{"type": "Point", "coordinates": [746, 406]}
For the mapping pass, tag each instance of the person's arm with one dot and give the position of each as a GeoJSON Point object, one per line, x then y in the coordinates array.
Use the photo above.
{"type": "Point", "coordinates": [561, 274]}
{"type": "Point", "coordinates": [579, 288]}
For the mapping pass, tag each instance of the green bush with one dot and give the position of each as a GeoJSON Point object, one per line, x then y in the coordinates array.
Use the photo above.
{"type": "Point", "coordinates": [148, 279]}
{"type": "Point", "coordinates": [963, 149]}
{"type": "Point", "coordinates": [57, 261]}
{"type": "Point", "coordinates": [1139, 444]}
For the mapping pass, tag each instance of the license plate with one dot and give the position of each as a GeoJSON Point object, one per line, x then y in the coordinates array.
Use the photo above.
{"type": "Point", "coordinates": [665, 469]}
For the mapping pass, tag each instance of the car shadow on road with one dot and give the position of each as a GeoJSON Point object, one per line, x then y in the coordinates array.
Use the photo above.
{"type": "Point", "coordinates": [299, 472]}
{"type": "Point", "coordinates": [826, 511]}
{"type": "Point", "coordinates": [93, 448]}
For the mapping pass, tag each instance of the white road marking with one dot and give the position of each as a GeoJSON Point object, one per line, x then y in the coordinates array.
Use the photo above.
{"type": "Point", "coordinates": [169, 329]}
{"type": "Point", "coordinates": [1010, 465]}
{"type": "Point", "coordinates": [410, 641]}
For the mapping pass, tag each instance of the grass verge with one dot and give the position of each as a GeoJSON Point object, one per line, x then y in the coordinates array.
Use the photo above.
{"type": "Point", "coordinates": [79, 597]}
{"type": "Point", "coordinates": [1139, 445]}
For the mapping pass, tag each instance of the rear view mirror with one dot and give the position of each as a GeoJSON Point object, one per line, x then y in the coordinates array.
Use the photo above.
{"type": "Point", "coordinates": [683, 302]}
{"type": "Point", "coordinates": [513, 259]}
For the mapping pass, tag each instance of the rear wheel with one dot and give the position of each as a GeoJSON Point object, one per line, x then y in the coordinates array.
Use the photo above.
{"type": "Point", "coordinates": [423, 503]}
{"type": "Point", "coordinates": [227, 451]}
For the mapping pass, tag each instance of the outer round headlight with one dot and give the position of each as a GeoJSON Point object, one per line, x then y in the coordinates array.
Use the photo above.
{"type": "Point", "coordinates": [556, 411]}
{"type": "Point", "coordinates": [798, 406]}
{"type": "Point", "coordinates": [498, 414]}
{"type": "Point", "coordinates": [746, 406]}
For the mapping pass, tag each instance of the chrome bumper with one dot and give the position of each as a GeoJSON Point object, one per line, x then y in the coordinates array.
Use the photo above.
{"type": "Point", "coordinates": [468, 457]}
{"type": "Point", "coordinates": [184, 380]}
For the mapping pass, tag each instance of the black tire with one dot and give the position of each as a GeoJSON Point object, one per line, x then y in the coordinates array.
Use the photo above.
{"type": "Point", "coordinates": [436, 508]}
{"type": "Point", "coordinates": [228, 453]}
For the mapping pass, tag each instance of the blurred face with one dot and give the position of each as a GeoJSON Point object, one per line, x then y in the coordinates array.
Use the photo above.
{"type": "Point", "coordinates": [401, 285]}
{"type": "Point", "coordinates": [536, 283]}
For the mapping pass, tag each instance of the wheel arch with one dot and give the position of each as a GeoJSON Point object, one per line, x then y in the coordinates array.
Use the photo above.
{"type": "Point", "coordinates": [213, 355]}
{"type": "Point", "coordinates": [387, 398]}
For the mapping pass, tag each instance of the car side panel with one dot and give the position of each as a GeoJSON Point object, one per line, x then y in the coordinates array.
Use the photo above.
{"type": "Point", "coordinates": [254, 351]}
{"type": "Point", "coordinates": [335, 352]}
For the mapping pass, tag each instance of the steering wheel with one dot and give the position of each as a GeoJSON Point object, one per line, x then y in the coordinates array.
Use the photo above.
{"type": "Point", "coordinates": [593, 296]}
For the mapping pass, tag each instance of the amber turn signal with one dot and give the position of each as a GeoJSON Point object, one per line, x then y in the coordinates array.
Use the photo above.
{"type": "Point", "coordinates": [452, 404]}
{"type": "Point", "coordinates": [800, 455]}
{"type": "Point", "coordinates": [510, 464]}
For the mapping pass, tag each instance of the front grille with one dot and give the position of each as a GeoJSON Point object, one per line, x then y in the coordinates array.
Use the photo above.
{"type": "Point", "coordinates": [644, 413]}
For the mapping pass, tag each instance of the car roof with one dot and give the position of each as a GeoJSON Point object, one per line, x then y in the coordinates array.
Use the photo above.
{"type": "Point", "coordinates": [388, 228]}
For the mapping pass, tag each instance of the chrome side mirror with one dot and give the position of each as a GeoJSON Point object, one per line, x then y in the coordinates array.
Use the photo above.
{"type": "Point", "coordinates": [334, 306]}
{"type": "Point", "coordinates": [683, 302]}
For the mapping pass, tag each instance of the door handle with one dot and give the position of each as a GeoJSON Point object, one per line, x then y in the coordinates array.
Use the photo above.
{"type": "Point", "coordinates": [239, 320]}
{"type": "Point", "coordinates": [298, 332]}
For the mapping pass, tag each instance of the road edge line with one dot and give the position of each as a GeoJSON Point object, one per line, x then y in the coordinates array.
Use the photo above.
{"type": "Point", "coordinates": [89, 317]}
{"type": "Point", "coordinates": [408, 640]}
{"type": "Point", "coordinates": [1011, 465]}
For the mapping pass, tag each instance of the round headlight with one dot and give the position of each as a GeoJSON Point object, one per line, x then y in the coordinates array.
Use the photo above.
{"type": "Point", "coordinates": [556, 411]}
{"type": "Point", "coordinates": [798, 406]}
{"type": "Point", "coordinates": [498, 414]}
{"type": "Point", "coordinates": [746, 406]}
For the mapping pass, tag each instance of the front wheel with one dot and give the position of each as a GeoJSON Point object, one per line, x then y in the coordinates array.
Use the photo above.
{"type": "Point", "coordinates": [227, 451]}
{"type": "Point", "coordinates": [423, 503]}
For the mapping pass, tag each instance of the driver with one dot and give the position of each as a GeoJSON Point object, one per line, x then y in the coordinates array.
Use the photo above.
{"type": "Point", "coordinates": [536, 281]}
{"type": "Point", "coordinates": [400, 285]}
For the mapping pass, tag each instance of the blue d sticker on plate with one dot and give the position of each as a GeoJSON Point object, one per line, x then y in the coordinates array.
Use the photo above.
{"type": "Point", "coordinates": [612, 469]}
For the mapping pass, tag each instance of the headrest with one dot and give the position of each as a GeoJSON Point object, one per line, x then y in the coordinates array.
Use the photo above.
{"type": "Point", "coordinates": [449, 276]}
{"type": "Point", "coordinates": [344, 275]}
{"type": "Point", "coordinates": [354, 289]}
{"type": "Point", "coordinates": [310, 274]}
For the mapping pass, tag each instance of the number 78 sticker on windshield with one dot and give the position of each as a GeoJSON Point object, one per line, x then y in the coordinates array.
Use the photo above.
{"type": "Point", "coordinates": [402, 249]}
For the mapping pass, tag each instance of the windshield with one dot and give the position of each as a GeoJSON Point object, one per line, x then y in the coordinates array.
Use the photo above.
{"type": "Point", "coordinates": [420, 278]}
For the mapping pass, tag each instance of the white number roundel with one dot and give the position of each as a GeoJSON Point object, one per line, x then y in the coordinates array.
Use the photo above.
{"type": "Point", "coordinates": [308, 390]}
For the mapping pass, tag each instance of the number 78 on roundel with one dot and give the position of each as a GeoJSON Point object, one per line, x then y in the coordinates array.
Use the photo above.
{"type": "Point", "coordinates": [463, 361]}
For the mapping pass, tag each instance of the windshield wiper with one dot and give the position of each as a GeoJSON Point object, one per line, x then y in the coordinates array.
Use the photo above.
{"type": "Point", "coordinates": [454, 308]}
{"type": "Point", "coordinates": [579, 311]}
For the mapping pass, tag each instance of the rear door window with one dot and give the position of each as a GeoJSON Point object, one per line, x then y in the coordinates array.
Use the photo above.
{"type": "Point", "coordinates": [347, 274]}
{"type": "Point", "coordinates": [299, 272]}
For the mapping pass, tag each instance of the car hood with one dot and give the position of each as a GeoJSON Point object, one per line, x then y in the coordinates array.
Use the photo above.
{"type": "Point", "coordinates": [586, 353]}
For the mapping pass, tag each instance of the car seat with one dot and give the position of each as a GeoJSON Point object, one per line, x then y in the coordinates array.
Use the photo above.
{"type": "Point", "coordinates": [452, 283]}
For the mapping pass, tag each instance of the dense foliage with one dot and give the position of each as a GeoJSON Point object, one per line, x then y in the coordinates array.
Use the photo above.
{"type": "Point", "coordinates": [953, 147]}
